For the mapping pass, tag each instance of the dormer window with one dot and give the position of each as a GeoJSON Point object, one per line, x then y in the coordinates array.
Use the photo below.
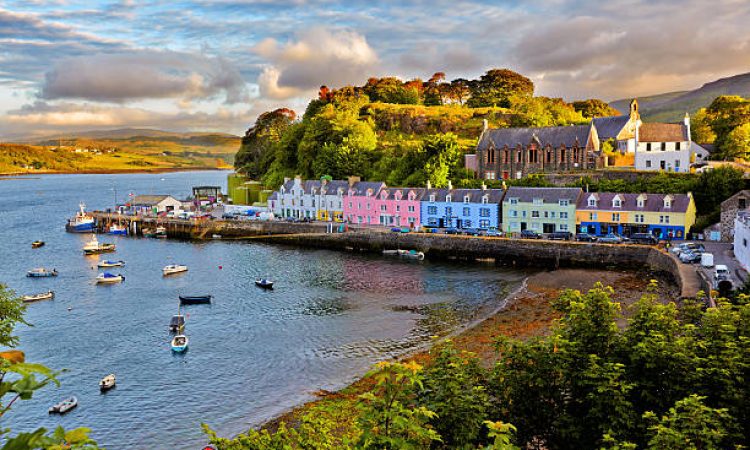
{"type": "Point", "coordinates": [667, 203]}
{"type": "Point", "coordinates": [411, 196]}
{"type": "Point", "coordinates": [432, 197]}
{"type": "Point", "coordinates": [616, 203]}
{"type": "Point", "coordinates": [537, 201]}
{"type": "Point", "coordinates": [592, 202]}
{"type": "Point", "coordinates": [369, 192]}
{"type": "Point", "coordinates": [448, 198]}
{"type": "Point", "coordinates": [466, 199]}
{"type": "Point", "coordinates": [485, 199]}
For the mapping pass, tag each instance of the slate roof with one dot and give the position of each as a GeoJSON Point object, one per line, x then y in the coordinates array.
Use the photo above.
{"type": "Point", "coordinates": [148, 200]}
{"type": "Point", "coordinates": [404, 193]}
{"type": "Point", "coordinates": [609, 127]}
{"type": "Point", "coordinates": [308, 186]}
{"type": "Point", "coordinates": [554, 136]}
{"type": "Point", "coordinates": [662, 132]}
{"type": "Point", "coordinates": [457, 195]}
{"type": "Point", "coordinates": [274, 196]}
{"type": "Point", "coordinates": [548, 195]}
{"type": "Point", "coordinates": [654, 202]}
{"type": "Point", "coordinates": [360, 187]}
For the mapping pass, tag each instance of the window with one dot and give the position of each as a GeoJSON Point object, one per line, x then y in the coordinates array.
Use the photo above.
{"type": "Point", "coordinates": [552, 214]}
{"type": "Point", "coordinates": [744, 242]}
{"type": "Point", "coordinates": [466, 199]}
{"type": "Point", "coordinates": [514, 225]}
{"type": "Point", "coordinates": [535, 214]}
{"type": "Point", "coordinates": [648, 164]}
{"type": "Point", "coordinates": [448, 199]}
{"type": "Point", "coordinates": [484, 212]}
{"type": "Point", "coordinates": [412, 220]}
{"type": "Point", "coordinates": [467, 223]}
{"type": "Point", "coordinates": [640, 203]}
{"type": "Point", "coordinates": [411, 208]}
{"type": "Point", "coordinates": [742, 203]}
{"type": "Point", "coordinates": [537, 201]}
{"type": "Point", "coordinates": [663, 146]}
{"type": "Point", "coordinates": [565, 202]}
{"type": "Point", "coordinates": [513, 213]}
{"type": "Point", "coordinates": [592, 216]}
{"type": "Point", "coordinates": [563, 227]}
{"type": "Point", "coordinates": [513, 201]}
{"type": "Point", "coordinates": [432, 221]}
{"type": "Point", "coordinates": [677, 146]}
{"type": "Point", "coordinates": [617, 203]}
{"type": "Point", "coordinates": [484, 223]}
{"type": "Point", "coordinates": [664, 219]}
{"type": "Point", "coordinates": [489, 175]}
{"type": "Point", "coordinates": [485, 200]}
{"type": "Point", "coordinates": [467, 211]}
{"type": "Point", "coordinates": [676, 163]}
{"type": "Point", "coordinates": [448, 211]}
{"type": "Point", "coordinates": [359, 219]}
{"type": "Point", "coordinates": [592, 202]}
{"type": "Point", "coordinates": [648, 147]}
{"type": "Point", "coordinates": [546, 214]}
{"type": "Point", "coordinates": [368, 206]}
{"type": "Point", "coordinates": [667, 202]}
{"type": "Point", "coordinates": [432, 197]}
{"type": "Point", "coordinates": [639, 218]}
{"type": "Point", "coordinates": [523, 213]}
{"type": "Point", "coordinates": [398, 208]}
{"type": "Point", "coordinates": [563, 215]}
{"type": "Point", "coordinates": [432, 210]}
{"type": "Point", "coordinates": [615, 217]}
{"type": "Point", "coordinates": [350, 204]}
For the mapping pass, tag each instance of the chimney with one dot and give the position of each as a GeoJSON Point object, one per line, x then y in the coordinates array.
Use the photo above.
{"type": "Point", "coordinates": [354, 180]}
{"type": "Point", "coordinates": [429, 185]}
{"type": "Point", "coordinates": [485, 125]}
{"type": "Point", "coordinates": [484, 187]}
{"type": "Point", "coordinates": [450, 185]}
{"type": "Point", "coordinates": [686, 121]}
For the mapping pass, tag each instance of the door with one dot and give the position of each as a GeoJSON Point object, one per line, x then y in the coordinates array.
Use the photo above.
{"type": "Point", "coordinates": [523, 226]}
{"type": "Point", "coordinates": [458, 223]}
{"type": "Point", "coordinates": [441, 223]}
{"type": "Point", "coordinates": [548, 227]}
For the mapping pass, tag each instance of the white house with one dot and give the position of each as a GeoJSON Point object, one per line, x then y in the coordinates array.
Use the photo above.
{"type": "Point", "coordinates": [310, 199]}
{"type": "Point", "coordinates": [742, 240]}
{"type": "Point", "coordinates": [154, 204]}
{"type": "Point", "coordinates": [667, 147]}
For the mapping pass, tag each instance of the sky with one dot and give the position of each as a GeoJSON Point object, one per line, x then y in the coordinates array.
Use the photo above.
{"type": "Point", "coordinates": [215, 65]}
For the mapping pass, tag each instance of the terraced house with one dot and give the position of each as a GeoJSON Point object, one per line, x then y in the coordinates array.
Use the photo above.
{"type": "Point", "coordinates": [310, 199]}
{"type": "Point", "coordinates": [544, 210]}
{"type": "Point", "coordinates": [461, 208]}
{"type": "Point", "coordinates": [662, 215]}
{"type": "Point", "coordinates": [360, 202]}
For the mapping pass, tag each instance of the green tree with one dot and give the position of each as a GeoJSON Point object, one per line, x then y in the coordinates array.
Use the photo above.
{"type": "Point", "coordinates": [542, 112]}
{"type": "Point", "coordinates": [689, 425]}
{"type": "Point", "coordinates": [594, 107]}
{"type": "Point", "coordinates": [313, 433]}
{"type": "Point", "coordinates": [441, 156]}
{"type": "Point", "coordinates": [737, 142]}
{"type": "Point", "coordinates": [257, 149]}
{"type": "Point", "coordinates": [700, 128]}
{"type": "Point", "coordinates": [497, 87]}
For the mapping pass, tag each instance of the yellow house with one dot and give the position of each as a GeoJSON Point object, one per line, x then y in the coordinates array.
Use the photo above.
{"type": "Point", "coordinates": [662, 215]}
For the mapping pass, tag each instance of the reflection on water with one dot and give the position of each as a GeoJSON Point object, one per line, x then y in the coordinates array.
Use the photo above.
{"type": "Point", "coordinates": [253, 353]}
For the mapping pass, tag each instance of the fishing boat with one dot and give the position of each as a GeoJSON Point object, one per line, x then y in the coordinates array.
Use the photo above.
{"type": "Point", "coordinates": [41, 272]}
{"type": "Point", "coordinates": [94, 247]}
{"type": "Point", "coordinates": [117, 229]}
{"type": "Point", "coordinates": [173, 269]}
{"type": "Point", "coordinates": [109, 278]}
{"type": "Point", "coordinates": [195, 299]}
{"type": "Point", "coordinates": [161, 232]}
{"type": "Point", "coordinates": [179, 343]}
{"type": "Point", "coordinates": [264, 283]}
{"type": "Point", "coordinates": [111, 263]}
{"type": "Point", "coordinates": [49, 295]}
{"type": "Point", "coordinates": [149, 232]}
{"type": "Point", "coordinates": [64, 406]}
{"type": "Point", "coordinates": [82, 222]}
{"type": "Point", "coordinates": [37, 244]}
{"type": "Point", "coordinates": [107, 382]}
{"type": "Point", "coordinates": [177, 323]}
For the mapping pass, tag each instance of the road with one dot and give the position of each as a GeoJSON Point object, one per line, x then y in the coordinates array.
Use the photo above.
{"type": "Point", "coordinates": [723, 254]}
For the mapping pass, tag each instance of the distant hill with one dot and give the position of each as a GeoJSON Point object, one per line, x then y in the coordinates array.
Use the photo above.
{"type": "Point", "coordinates": [139, 134]}
{"type": "Point", "coordinates": [671, 107]}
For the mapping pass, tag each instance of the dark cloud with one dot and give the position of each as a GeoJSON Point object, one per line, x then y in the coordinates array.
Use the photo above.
{"type": "Point", "coordinates": [144, 74]}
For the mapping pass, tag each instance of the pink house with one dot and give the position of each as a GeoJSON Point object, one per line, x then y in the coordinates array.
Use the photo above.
{"type": "Point", "coordinates": [377, 204]}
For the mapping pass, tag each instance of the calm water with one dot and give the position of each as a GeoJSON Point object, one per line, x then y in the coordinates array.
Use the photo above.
{"type": "Point", "coordinates": [252, 353]}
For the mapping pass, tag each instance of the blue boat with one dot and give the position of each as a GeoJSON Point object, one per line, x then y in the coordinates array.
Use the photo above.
{"type": "Point", "coordinates": [179, 343]}
{"type": "Point", "coordinates": [41, 272]}
{"type": "Point", "coordinates": [82, 222]}
{"type": "Point", "coordinates": [118, 229]}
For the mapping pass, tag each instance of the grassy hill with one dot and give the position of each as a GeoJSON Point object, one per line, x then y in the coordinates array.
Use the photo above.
{"type": "Point", "coordinates": [120, 151]}
{"type": "Point", "coordinates": [671, 107]}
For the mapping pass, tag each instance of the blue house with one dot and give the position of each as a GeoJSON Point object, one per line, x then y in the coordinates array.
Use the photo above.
{"type": "Point", "coordinates": [461, 208]}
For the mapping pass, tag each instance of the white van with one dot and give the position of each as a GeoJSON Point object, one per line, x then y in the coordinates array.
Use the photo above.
{"type": "Point", "coordinates": [722, 272]}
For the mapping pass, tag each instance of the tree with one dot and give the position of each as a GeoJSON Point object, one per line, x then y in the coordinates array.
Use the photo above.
{"type": "Point", "coordinates": [737, 142]}
{"type": "Point", "coordinates": [432, 89]}
{"type": "Point", "coordinates": [542, 112]}
{"type": "Point", "coordinates": [498, 86]}
{"type": "Point", "coordinates": [689, 425]}
{"type": "Point", "coordinates": [458, 90]}
{"type": "Point", "coordinates": [441, 155]}
{"type": "Point", "coordinates": [594, 107]}
{"type": "Point", "coordinates": [700, 128]}
{"type": "Point", "coordinates": [723, 115]}
{"type": "Point", "coordinates": [257, 149]}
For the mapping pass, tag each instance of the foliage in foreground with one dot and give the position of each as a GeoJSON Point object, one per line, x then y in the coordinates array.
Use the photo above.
{"type": "Point", "coordinates": [672, 377]}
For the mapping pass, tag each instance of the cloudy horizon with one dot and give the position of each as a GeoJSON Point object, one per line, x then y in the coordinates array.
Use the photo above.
{"type": "Point", "coordinates": [68, 65]}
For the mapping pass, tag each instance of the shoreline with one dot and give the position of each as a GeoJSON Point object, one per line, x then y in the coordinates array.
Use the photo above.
{"type": "Point", "coordinates": [524, 313]}
{"type": "Point", "coordinates": [114, 171]}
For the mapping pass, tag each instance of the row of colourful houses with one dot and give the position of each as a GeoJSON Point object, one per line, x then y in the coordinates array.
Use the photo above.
{"type": "Point", "coordinates": [544, 210]}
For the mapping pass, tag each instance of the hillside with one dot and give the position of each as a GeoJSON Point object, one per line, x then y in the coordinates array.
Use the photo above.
{"type": "Point", "coordinates": [671, 107]}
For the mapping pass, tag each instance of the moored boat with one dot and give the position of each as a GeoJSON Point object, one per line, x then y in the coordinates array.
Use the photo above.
{"type": "Point", "coordinates": [179, 343]}
{"type": "Point", "coordinates": [264, 283]}
{"type": "Point", "coordinates": [49, 295]}
{"type": "Point", "coordinates": [41, 272]}
{"type": "Point", "coordinates": [64, 406]}
{"type": "Point", "coordinates": [82, 222]}
{"type": "Point", "coordinates": [173, 269]}
{"type": "Point", "coordinates": [107, 382]}
{"type": "Point", "coordinates": [390, 252]}
{"type": "Point", "coordinates": [94, 247]}
{"type": "Point", "coordinates": [117, 229]}
{"type": "Point", "coordinates": [37, 244]}
{"type": "Point", "coordinates": [161, 232]}
{"type": "Point", "coordinates": [177, 323]}
{"type": "Point", "coordinates": [412, 254]}
{"type": "Point", "coordinates": [111, 263]}
{"type": "Point", "coordinates": [195, 299]}
{"type": "Point", "coordinates": [109, 278]}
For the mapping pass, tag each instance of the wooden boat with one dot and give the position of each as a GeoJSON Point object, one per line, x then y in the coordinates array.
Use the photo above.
{"type": "Point", "coordinates": [173, 269]}
{"type": "Point", "coordinates": [264, 283]}
{"type": "Point", "coordinates": [195, 299]}
{"type": "Point", "coordinates": [109, 278]}
{"type": "Point", "coordinates": [41, 272]}
{"type": "Point", "coordinates": [149, 232]}
{"type": "Point", "coordinates": [64, 406]}
{"type": "Point", "coordinates": [161, 232]}
{"type": "Point", "coordinates": [110, 263]}
{"type": "Point", "coordinates": [107, 382]}
{"type": "Point", "coordinates": [37, 244]}
{"type": "Point", "coordinates": [49, 295]}
{"type": "Point", "coordinates": [94, 247]}
{"type": "Point", "coordinates": [179, 343]}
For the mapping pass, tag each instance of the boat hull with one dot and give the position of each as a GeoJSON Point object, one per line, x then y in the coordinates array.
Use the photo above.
{"type": "Point", "coordinates": [195, 300]}
{"type": "Point", "coordinates": [41, 275]}
{"type": "Point", "coordinates": [85, 227]}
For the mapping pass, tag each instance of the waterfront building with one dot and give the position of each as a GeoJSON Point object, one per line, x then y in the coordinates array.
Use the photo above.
{"type": "Point", "coordinates": [543, 210]}
{"type": "Point", "coordinates": [153, 204]}
{"type": "Point", "coordinates": [461, 208]}
{"type": "Point", "coordinates": [664, 146]}
{"type": "Point", "coordinates": [741, 239]}
{"type": "Point", "coordinates": [310, 199]}
{"type": "Point", "coordinates": [662, 215]}
{"type": "Point", "coordinates": [373, 203]}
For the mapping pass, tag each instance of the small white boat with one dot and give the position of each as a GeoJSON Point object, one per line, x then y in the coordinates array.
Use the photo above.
{"type": "Point", "coordinates": [109, 278]}
{"type": "Point", "coordinates": [64, 406]}
{"type": "Point", "coordinates": [390, 252]}
{"type": "Point", "coordinates": [216, 236]}
{"type": "Point", "coordinates": [179, 343]}
{"type": "Point", "coordinates": [49, 295]}
{"type": "Point", "coordinates": [107, 382]}
{"type": "Point", "coordinates": [264, 283]}
{"type": "Point", "coordinates": [161, 232]}
{"type": "Point", "coordinates": [118, 229]}
{"type": "Point", "coordinates": [173, 269]}
{"type": "Point", "coordinates": [94, 247]}
{"type": "Point", "coordinates": [110, 263]}
{"type": "Point", "coordinates": [41, 272]}
{"type": "Point", "coordinates": [411, 254]}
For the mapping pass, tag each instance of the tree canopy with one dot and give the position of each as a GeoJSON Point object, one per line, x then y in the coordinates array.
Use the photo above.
{"type": "Point", "coordinates": [594, 107]}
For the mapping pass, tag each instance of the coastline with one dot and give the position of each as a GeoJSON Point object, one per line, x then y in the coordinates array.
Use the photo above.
{"type": "Point", "coordinates": [525, 313]}
{"type": "Point", "coordinates": [115, 171]}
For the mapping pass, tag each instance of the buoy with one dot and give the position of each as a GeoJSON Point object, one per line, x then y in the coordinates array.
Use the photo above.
{"type": "Point", "coordinates": [221, 267]}
{"type": "Point", "coordinates": [70, 308]}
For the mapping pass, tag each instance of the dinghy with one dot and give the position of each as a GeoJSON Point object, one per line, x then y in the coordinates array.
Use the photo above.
{"type": "Point", "coordinates": [264, 283]}
{"type": "Point", "coordinates": [64, 406]}
{"type": "Point", "coordinates": [49, 295]}
{"type": "Point", "coordinates": [177, 322]}
{"type": "Point", "coordinates": [94, 247]}
{"type": "Point", "coordinates": [195, 299]}
{"type": "Point", "coordinates": [390, 252]}
{"type": "Point", "coordinates": [110, 263]}
{"type": "Point", "coordinates": [413, 254]}
{"type": "Point", "coordinates": [37, 244]}
{"type": "Point", "coordinates": [41, 272]}
{"type": "Point", "coordinates": [109, 278]}
{"type": "Point", "coordinates": [173, 269]}
{"type": "Point", "coordinates": [107, 382]}
{"type": "Point", "coordinates": [179, 343]}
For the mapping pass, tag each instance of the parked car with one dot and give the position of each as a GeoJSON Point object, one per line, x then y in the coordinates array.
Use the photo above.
{"type": "Point", "coordinates": [612, 238]}
{"type": "Point", "coordinates": [691, 256]}
{"type": "Point", "coordinates": [644, 238]}
{"type": "Point", "coordinates": [529, 234]}
{"type": "Point", "coordinates": [586, 237]}
{"type": "Point", "coordinates": [560, 236]}
{"type": "Point", "coordinates": [494, 232]}
{"type": "Point", "coordinates": [687, 246]}
{"type": "Point", "coordinates": [452, 231]}
{"type": "Point", "coordinates": [471, 232]}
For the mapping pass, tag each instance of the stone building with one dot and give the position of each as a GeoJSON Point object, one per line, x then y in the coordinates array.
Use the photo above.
{"type": "Point", "coordinates": [507, 153]}
{"type": "Point", "coordinates": [730, 208]}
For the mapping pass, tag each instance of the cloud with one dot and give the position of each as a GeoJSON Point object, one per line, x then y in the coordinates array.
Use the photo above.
{"type": "Point", "coordinates": [318, 56]}
{"type": "Point", "coordinates": [144, 74]}
{"type": "Point", "coordinates": [428, 58]}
